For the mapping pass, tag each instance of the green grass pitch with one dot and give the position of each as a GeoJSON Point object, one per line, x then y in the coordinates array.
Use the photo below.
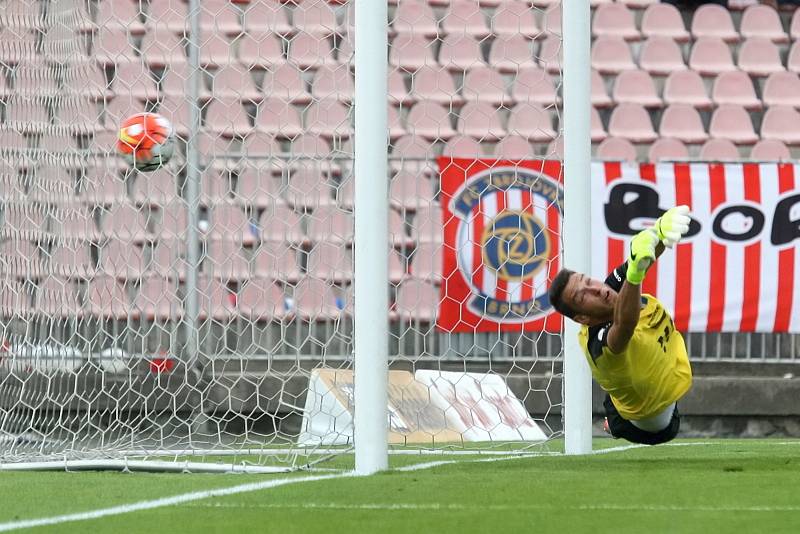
{"type": "Point", "coordinates": [708, 487]}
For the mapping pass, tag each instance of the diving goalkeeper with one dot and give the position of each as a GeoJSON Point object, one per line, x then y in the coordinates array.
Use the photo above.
{"type": "Point", "coordinates": [629, 339]}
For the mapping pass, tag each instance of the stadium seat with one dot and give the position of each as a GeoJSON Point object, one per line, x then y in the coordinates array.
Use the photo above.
{"type": "Point", "coordinates": [427, 224]}
{"type": "Point", "coordinates": [597, 131]}
{"type": "Point", "coordinates": [735, 88]}
{"type": "Point", "coordinates": [259, 50]}
{"type": "Point", "coordinates": [410, 152]}
{"type": "Point", "coordinates": [433, 84]}
{"type": "Point", "coordinates": [711, 56]}
{"type": "Point", "coordinates": [762, 21]}
{"type": "Point", "coordinates": [631, 122]}
{"type": "Point", "coordinates": [732, 122]}
{"type": "Point", "coordinates": [216, 52]}
{"type": "Point", "coordinates": [227, 117]}
{"type": "Point", "coordinates": [599, 95]}
{"type": "Point", "coordinates": [21, 259]}
{"type": "Point", "coordinates": [398, 94]}
{"type": "Point", "coordinates": [219, 18]}
{"type": "Point", "coordinates": [125, 222]}
{"type": "Point", "coordinates": [416, 300]}
{"type": "Point", "coordinates": [265, 18]}
{"type": "Point", "coordinates": [71, 259]}
{"type": "Point", "coordinates": [329, 119]}
{"type": "Point", "coordinates": [279, 223]}
{"type": "Point", "coordinates": [781, 123]}
{"type": "Point", "coordinates": [664, 20]}
{"type": "Point", "coordinates": [121, 260]}
{"type": "Point", "coordinates": [414, 16]}
{"type": "Point", "coordinates": [462, 146]}
{"type": "Point", "coordinates": [661, 56]}
{"type": "Point", "coordinates": [531, 122]}
{"type": "Point", "coordinates": [169, 256]}
{"type": "Point", "coordinates": [514, 18]}
{"type": "Point", "coordinates": [235, 82]}
{"type": "Point", "coordinates": [480, 121]}
{"type": "Point", "coordinates": [426, 262]}
{"type": "Point", "coordinates": [307, 51]}
{"type": "Point", "coordinates": [719, 150]}
{"type": "Point", "coordinates": [284, 81]}
{"type": "Point", "coordinates": [317, 300]}
{"type": "Point", "coordinates": [158, 300]}
{"type": "Point", "coordinates": [460, 53]}
{"type": "Point", "coordinates": [682, 122]}
{"type": "Point", "coordinates": [411, 51]}
{"type": "Point", "coordinates": [636, 87]}
{"type": "Point", "coordinates": [793, 60]}
{"type": "Point", "coordinates": [464, 17]}
{"type": "Point", "coordinates": [215, 187]}
{"type": "Point", "coordinates": [167, 17]}
{"type": "Point", "coordinates": [276, 260]}
{"type": "Point", "coordinates": [712, 20]}
{"type": "Point", "coordinates": [511, 53]}
{"type": "Point", "coordinates": [615, 148]}
{"type": "Point", "coordinates": [611, 55]}
{"type": "Point", "coordinates": [315, 18]}
{"type": "Point", "coordinates": [770, 150]}
{"type": "Point", "coordinates": [759, 56]}
{"type": "Point", "coordinates": [120, 17]}
{"type": "Point", "coordinates": [134, 79]}
{"type": "Point", "coordinates": [261, 299]}
{"type": "Point", "coordinates": [614, 19]}
{"type": "Point", "coordinates": [534, 85]}
{"type": "Point", "coordinates": [485, 84]}
{"type": "Point", "coordinates": [794, 26]}
{"type": "Point", "coordinates": [550, 54]}
{"type": "Point", "coordinates": [231, 223]}
{"type": "Point", "coordinates": [308, 189]}
{"type": "Point", "coordinates": [154, 189]}
{"type": "Point", "coordinates": [225, 260]}
{"type": "Point", "coordinates": [279, 119]}
{"type": "Point", "coordinates": [551, 19]}
{"type": "Point", "coordinates": [256, 188]}
{"type": "Point", "coordinates": [54, 296]}
{"type": "Point", "coordinates": [174, 82]}
{"type": "Point", "coordinates": [429, 120]}
{"type": "Point", "coordinates": [333, 82]}
{"type": "Point", "coordinates": [330, 261]}
{"type": "Point", "coordinates": [411, 191]}
{"type": "Point", "coordinates": [667, 148]}
{"type": "Point", "coordinates": [160, 48]}
{"type": "Point", "coordinates": [108, 48]}
{"type": "Point", "coordinates": [107, 299]}
{"type": "Point", "coordinates": [782, 88]}
{"type": "Point", "coordinates": [214, 300]}
{"type": "Point", "coordinates": [332, 225]}
{"type": "Point", "coordinates": [686, 87]}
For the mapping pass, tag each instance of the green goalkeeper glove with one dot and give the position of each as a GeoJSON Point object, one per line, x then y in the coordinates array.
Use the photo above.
{"type": "Point", "coordinates": [641, 256]}
{"type": "Point", "coordinates": [673, 225]}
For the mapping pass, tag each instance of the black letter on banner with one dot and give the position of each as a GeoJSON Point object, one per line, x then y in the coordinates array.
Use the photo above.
{"type": "Point", "coordinates": [784, 229]}
{"type": "Point", "coordinates": [619, 214]}
{"type": "Point", "coordinates": [746, 211]}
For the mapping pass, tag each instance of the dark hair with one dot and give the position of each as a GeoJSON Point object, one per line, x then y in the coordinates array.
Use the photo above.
{"type": "Point", "coordinates": [556, 290]}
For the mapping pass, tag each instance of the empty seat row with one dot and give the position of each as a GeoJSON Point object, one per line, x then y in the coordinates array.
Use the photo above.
{"type": "Point", "coordinates": [716, 149]}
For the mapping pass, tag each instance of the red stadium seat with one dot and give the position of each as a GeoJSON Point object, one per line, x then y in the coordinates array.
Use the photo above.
{"type": "Point", "coordinates": [734, 123]}
{"type": "Point", "coordinates": [712, 20]}
{"type": "Point", "coordinates": [770, 150]}
{"type": "Point", "coordinates": [433, 84]}
{"type": "Point", "coordinates": [682, 122]}
{"type": "Point", "coordinates": [276, 260]}
{"type": "Point", "coordinates": [735, 88]}
{"type": "Point", "coordinates": [309, 51]}
{"type": "Point", "coordinates": [158, 300]}
{"type": "Point", "coordinates": [411, 191]}
{"type": "Point", "coordinates": [107, 299]}
{"type": "Point", "coordinates": [162, 48]}
{"type": "Point", "coordinates": [611, 55]}
{"type": "Point", "coordinates": [261, 50]}
{"type": "Point", "coordinates": [661, 55]}
{"type": "Point", "coordinates": [616, 20]}
{"type": "Point", "coordinates": [462, 146]}
{"type": "Point", "coordinates": [550, 54]}
{"type": "Point", "coordinates": [331, 225]}
{"type": "Point", "coordinates": [464, 17]}
{"type": "Point", "coordinates": [782, 88]}
{"type": "Point", "coordinates": [329, 119]}
{"type": "Point", "coordinates": [460, 52]}
{"type": "Point", "coordinates": [56, 297]}
{"type": "Point", "coordinates": [414, 16]}
{"type": "Point", "coordinates": [233, 82]}
{"type": "Point", "coordinates": [71, 259]}
{"type": "Point", "coordinates": [511, 53]}
{"type": "Point", "coordinates": [411, 51]}
{"type": "Point", "coordinates": [664, 20]}
{"type": "Point", "coordinates": [333, 82]}
{"type": "Point", "coordinates": [514, 147]}
{"type": "Point", "coordinates": [279, 119]}
{"type": "Point", "coordinates": [534, 85]}
{"type": "Point", "coordinates": [225, 260]}
{"type": "Point", "coordinates": [284, 81]}
{"type": "Point", "coordinates": [719, 150]}
{"type": "Point", "coordinates": [122, 260]}
{"type": "Point", "coordinates": [631, 122]}
{"type": "Point", "coordinates": [599, 95]}
{"type": "Point", "coordinates": [598, 132]}
{"type": "Point", "coordinates": [315, 18]}
{"type": "Point", "coordinates": [430, 120]}
{"type": "Point", "coordinates": [636, 87]}
{"type": "Point", "coordinates": [514, 18]}
{"type": "Point", "coordinates": [261, 299]}
{"type": "Point", "coordinates": [125, 222]}
{"type": "Point", "coordinates": [615, 148]}
{"type": "Point", "coordinates": [759, 57]}
{"type": "Point", "coordinates": [227, 117]}
{"type": "Point", "coordinates": [317, 300]}
{"type": "Point", "coordinates": [417, 300]}
{"type": "Point", "coordinates": [485, 84]}
{"type": "Point", "coordinates": [330, 261]}
{"type": "Point", "coordinates": [265, 18]}
{"type": "Point", "coordinates": [711, 56]}
{"type": "Point", "coordinates": [120, 17]}
{"type": "Point", "coordinates": [531, 122]}
{"type": "Point", "coordinates": [686, 87]}
{"type": "Point", "coordinates": [781, 123]}
{"type": "Point", "coordinates": [480, 121]}
{"type": "Point", "coordinates": [667, 148]}
{"type": "Point", "coordinates": [762, 21]}
{"type": "Point", "coordinates": [109, 48]}
{"type": "Point", "coordinates": [308, 189]}
{"type": "Point", "coordinates": [215, 301]}
{"type": "Point", "coordinates": [426, 262]}
{"type": "Point", "coordinates": [794, 26]}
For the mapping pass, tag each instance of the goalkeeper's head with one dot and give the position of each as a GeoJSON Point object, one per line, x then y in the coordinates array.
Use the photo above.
{"type": "Point", "coordinates": [582, 299]}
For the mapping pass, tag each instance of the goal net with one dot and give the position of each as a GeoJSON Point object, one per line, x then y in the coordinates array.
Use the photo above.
{"type": "Point", "coordinates": [204, 310]}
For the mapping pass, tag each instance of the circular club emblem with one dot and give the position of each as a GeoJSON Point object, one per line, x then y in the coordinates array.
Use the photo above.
{"type": "Point", "coordinates": [507, 222]}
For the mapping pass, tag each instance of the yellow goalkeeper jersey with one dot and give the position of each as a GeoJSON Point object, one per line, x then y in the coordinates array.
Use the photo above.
{"type": "Point", "coordinates": [651, 373]}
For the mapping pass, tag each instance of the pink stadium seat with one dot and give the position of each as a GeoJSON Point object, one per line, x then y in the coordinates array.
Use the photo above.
{"type": "Point", "coordinates": [27, 222]}
{"type": "Point", "coordinates": [261, 50]}
{"type": "Point", "coordinates": [686, 87]}
{"type": "Point", "coordinates": [276, 260]}
{"type": "Point", "coordinates": [333, 82]}
{"type": "Point", "coordinates": [216, 51]}
{"type": "Point", "coordinates": [411, 51]}
{"type": "Point", "coordinates": [417, 300]}
{"type": "Point", "coordinates": [56, 297]}
{"type": "Point", "coordinates": [174, 80]}
{"type": "Point", "coordinates": [75, 224]}
{"type": "Point", "coordinates": [615, 148]}
{"type": "Point", "coordinates": [429, 120]}
{"type": "Point", "coordinates": [770, 150]}
{"type": "Point", "coordinates": [762, 21]}
{"type": "Point", "coordinates": [555, 149]}
{"type": "Point", "coordinates": [125, 222]}
{"type": "Point", "coordinates": [514, 18]}
{"type": "Point", "coordinates": [551, 20]}
{"type": "Point", "coordinates": [460, 52]}
{"type": "Point", "coordinates": [279, 223]}
{"type": "Point", "coordinates": [167, 17]}
{"type": "Point", "coordinates": [759, 56]}
{"type": "Point", "coordinates": [464, 17]}
{"type": "Point", "coordinates": [120, 16]}
{"type": "Point", "coordinates": [485, 84]}
{"type": "Point", "coordinates": [261, 299]}
{"type": "Point", "coordinates": [411, 191]}
{"type": "Point", "coordinates": [214, 300]}
{"type": "Point", "coordinates": [793, 61]}
{"type": "Point", "coordinates": [734, 123]}
{"type": "Point", "coordinates": [735, 88]}
{"type": "Point", "coordinates": [534, 85]}
{"type": "Point", "coordinates": [667, 148]}
{"type": "Point", "coordinates": [330, 261]}
{"type": "Point", "coordinates": [531, 122]}
{"type": "Point", "coordinates": [155, 188]}
{"type": "Point", "coordinates": [122, 260]}
{"type": "Point", "coordinates": [410, 152]}
{"type": "Point", "coordinates": [661, 56]}
{"type": "Point", "coordinates": [332, 225]}
{"type": "Point", "coordinates": [263, 145]}
{"type": "Point", "coordinates": [71, 260]}
{"type": "Point", "coordinates": [284, 81]}
{"type": "Point", "coordinates": [231, 223]}
{"type": "Point", "coordinates": [682, 122]}
{"type": "Point", "coordinates": [160, 48]}
{"type": "Point", "coordinates": [215, 187]}
{"type": "Point", "coordinates": [615, 20]}
{"type": "Point", "coordinates": [225, 260]}
{"type": "Point", "coordinates": [169, 259]}
{"type": "Point", "coordinates": [712, 20]}
{"type": "Point", "coordinates": [480, 121]}
{"type": "Point", "coordinates": [550, 54]}
{"type": "Point", "coordinates": [174, 222]}
{"type": "Point", "coordinates": [781, 123]}
{"type": "Point", "coordinates": [265, 17]}
{"type": "Point", "coordinates": [256, 187]}
{"type": "Point", "coordinates": [782, 88]}
{"type": "Point", "coordinates": [433, 84]}
{"type": "Point", "coordinates": [511, 53]}
{"type": "Point", "coordinates": [158, 300]}
{"type": "Point", "coordinates": [112, 47]}
{"type": "Point", "coordinates": [664, 20]}
{"type": "Point", "coordinates": [227, 117]}
{"type": "Point", "coordinates": [107, 299]}
{"type": "Point", "coordinates": [597, 131]}
{"type": "Point", "coordinates": [315, 18]}
{"type": "Point", "coordinates": [134, 79]}
{"type": "Point", "coordinates": [309, 51]}
{"type": "Point", "coordinates": [397, 88]}
{"type": "Point", "coordinates": [316, 300]}
{"type": "Point", "coordinates": [426, 262]}
{"type": "Point", "coordinates": [599, 95]}
{"type": "Point", "coordinates": [279, 119]}
{"type": "Point", "coordinates": [427, 224]}
{"type": "Point", "coordinates": [719, 150]}
{"type": "Point", "coordinates": [220, 18]}
{"type": "Point", "coordinates": [329, 119]}
{"type": "Point", "coordinates": [631, 122]}
{"type": "Point", "coordinates": [308, 189]}
{"type": "Point", "coordinates": [235, 82]}
{"type": "Point", "coordinates": [611, 55]}
{"type": "Point", "coordinates": [461, 146]}
{"type": "Point", "coordinates": [414, 16]}
{"type": "Point", "coordinates": [21, 259]}
{"type": "Point", "coordinates": [636, 87]}
{"type": "Point", "coordinates": [794, 26]}
{"type": "Point", "coordinates": [711, 56]}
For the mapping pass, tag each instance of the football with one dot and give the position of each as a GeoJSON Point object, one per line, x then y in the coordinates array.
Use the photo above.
{"type": "Point", "coordinates": [146, 141]}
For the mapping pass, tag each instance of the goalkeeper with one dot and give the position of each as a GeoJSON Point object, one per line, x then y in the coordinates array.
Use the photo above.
{"type": "Point", "coordinates": [629, 339]}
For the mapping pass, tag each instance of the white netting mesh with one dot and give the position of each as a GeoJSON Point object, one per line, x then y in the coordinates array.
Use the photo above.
{"type": "Point", "coordinates": [105, 353]}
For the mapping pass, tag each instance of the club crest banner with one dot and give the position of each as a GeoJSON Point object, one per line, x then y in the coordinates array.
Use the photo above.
{"type": "Point", "coordinates": [501, 224]}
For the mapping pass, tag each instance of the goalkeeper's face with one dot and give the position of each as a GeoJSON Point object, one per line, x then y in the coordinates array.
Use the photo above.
{"type": "Point", "coordinates": [591, 300]}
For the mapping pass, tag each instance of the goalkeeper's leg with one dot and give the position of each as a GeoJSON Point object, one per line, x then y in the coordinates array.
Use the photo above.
{"type": "Point", "coordinates": [619, 427]}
